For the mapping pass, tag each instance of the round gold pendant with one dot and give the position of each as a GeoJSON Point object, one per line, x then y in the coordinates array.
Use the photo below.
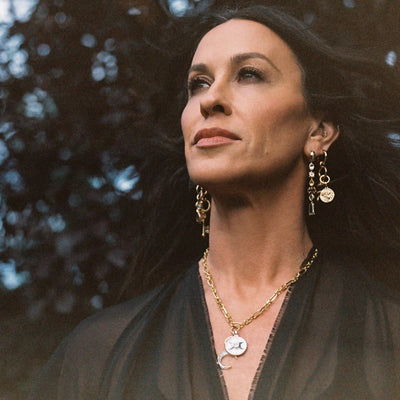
{"type": "Point", "coordinates": [327, 195]}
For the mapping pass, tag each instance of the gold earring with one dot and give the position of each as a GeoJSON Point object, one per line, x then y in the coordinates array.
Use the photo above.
{"type": "Point", "coordinates": [311, 190]}
{"type": "Point", "coordinates": [326, 194]}
{"type": "Point", "coordinates": [203, 206]}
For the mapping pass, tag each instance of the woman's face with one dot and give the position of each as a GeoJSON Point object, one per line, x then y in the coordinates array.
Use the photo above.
{"type": "Point", "coordinates": [246, 119]}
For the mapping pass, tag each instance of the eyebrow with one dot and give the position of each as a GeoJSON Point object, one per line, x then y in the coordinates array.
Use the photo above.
{"type": "Point", "coordinates": [236, 59]}
{"type": "Point", "coordinates": [239, 58]}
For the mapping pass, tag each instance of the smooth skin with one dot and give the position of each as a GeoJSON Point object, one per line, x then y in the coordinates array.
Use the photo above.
{"type": "Point", "coordinates": [246, 80]}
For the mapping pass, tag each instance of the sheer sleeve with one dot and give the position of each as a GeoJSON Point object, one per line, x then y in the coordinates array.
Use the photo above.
{"type": "Point", "coordinates": [75, 369]}
{"type": "Point", "coordinates": [339, 334]}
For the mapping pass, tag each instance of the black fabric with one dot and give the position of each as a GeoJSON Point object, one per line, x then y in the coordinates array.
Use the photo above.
{"type": "Point", "coordinates": [338, 339]}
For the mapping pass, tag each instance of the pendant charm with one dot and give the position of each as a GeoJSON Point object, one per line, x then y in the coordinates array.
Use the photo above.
{"type": "Point", "coordinates": [326, 195]}
{"type": "Point", "coordinates": [234, 346]}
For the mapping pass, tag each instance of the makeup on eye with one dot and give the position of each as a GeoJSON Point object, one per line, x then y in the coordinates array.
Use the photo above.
{"type": "Point", "coordinates": [250, 73]}
{"type": "Point", "coordinates": [196, 83]}
{"type": "Point", "coordinates": [246, 73]}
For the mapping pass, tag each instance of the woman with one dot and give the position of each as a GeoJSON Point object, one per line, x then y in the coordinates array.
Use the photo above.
{"type": "Point", "coordinates": [264, 314]}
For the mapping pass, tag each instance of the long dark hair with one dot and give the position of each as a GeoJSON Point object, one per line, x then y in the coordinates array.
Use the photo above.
{"type": "Point", "coordinates": [360, 96]}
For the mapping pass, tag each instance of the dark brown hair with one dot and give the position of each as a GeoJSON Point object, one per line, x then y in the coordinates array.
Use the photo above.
{"type": "Point", "coordinates": [360, 96]}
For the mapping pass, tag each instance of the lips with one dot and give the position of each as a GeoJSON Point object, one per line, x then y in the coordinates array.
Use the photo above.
{"type": "Point", "coordinates": [215, 136]}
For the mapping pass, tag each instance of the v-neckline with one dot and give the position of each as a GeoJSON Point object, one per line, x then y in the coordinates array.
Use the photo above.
{"type": "Point", "coordinates": [266, 347]}
{"type": "Point", "coordinates": [267, 361]}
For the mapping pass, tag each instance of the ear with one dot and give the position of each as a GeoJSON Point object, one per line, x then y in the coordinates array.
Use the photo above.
{"type": "Point", "coordinates": [321, 138]}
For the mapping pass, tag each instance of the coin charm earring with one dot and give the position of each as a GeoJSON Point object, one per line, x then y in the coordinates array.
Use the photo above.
{"type": "Point", "coordinates": [326, 194]}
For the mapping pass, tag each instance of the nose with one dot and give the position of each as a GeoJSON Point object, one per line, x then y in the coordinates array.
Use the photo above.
{"type": "Point", "coordinates": [215, 100]}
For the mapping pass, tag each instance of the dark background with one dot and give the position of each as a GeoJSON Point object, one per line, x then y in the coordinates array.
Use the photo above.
{"type": "Point", "coordinates": [78, 80]}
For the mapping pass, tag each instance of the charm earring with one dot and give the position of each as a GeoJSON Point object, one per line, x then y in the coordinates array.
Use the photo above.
{"type": "Point", "coordinates": [311, 190]}
{"type": "Point", "coordinates": [319, 191]}
{"type": "Point", "coordinates": [203, 206]}
{"type": "Point", "coordinates": [326, 194]}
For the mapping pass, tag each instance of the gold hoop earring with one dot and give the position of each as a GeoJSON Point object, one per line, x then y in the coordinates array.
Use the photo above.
{"type": "Point", "coordinates": [325, 194]}
{"type": "Point", "coordinates": [203, 206]}
{"type": "Point", "coordinates": [311, 190]}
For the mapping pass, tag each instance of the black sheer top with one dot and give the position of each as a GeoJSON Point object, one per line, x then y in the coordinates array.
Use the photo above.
{"type": "Point", "coordinates": [337, 338]}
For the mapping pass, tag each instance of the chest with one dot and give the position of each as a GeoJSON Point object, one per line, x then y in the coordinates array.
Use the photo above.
{"type": "Point", "coordinates": [240, 373]}
{"type": "Point", "coordinates": [173, 355]}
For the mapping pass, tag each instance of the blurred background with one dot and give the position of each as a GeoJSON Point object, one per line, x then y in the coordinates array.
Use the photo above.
{"type": "Point", "coordinates": [78, 81]}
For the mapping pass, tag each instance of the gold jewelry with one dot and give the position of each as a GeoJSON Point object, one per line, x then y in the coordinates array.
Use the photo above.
{"type": "Point", "coordinates": [311, 190]}
{"type": "Point", "coordinates": [236, 345]}
{"type": "Point", "coordinates": [203, 206]}
{"type": "Point", "coordinates": [326, 194]}
{"type": "Point", "coordinates": [321, 191]}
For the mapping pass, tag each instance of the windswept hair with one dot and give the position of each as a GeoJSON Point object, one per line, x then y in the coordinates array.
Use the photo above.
{"type": "Point", "coordinates": [357, 94]}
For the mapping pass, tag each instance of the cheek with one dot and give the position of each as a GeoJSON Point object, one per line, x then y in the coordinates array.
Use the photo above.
{"type": "Point", "coordinates": [279, 127]}
{"type": "Point", "coordinates": [282, 116]}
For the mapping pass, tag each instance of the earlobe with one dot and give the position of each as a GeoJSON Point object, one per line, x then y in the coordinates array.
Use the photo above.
{"type": "Point", "coordinates": [321, 138]}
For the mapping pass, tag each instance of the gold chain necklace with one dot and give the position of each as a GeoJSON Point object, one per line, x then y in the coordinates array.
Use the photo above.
{"type": "Point", "coordinates": [236, 345]}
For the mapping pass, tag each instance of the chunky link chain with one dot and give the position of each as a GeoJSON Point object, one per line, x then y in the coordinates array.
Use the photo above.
{"type": "Point", "coordinates": [236, 326]}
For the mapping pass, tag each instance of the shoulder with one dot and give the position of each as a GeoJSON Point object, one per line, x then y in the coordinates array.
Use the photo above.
{"type": "Point", "coordinates": [383, 305]}
{"type": "Point", "coordinates": [76, 367]}
{"type": "Point", "coordinates": [363, 290]}
{"type": "Point", "coordinates": [381, 324]}
{"type": "Point", "coordinates": [100, 331]}
{"type": "Point", "coordinates": [358, 275]}
{"type": "Point", "coordinates": [374, 289]}
{"type": "Point", "coordinates": [103, 327]}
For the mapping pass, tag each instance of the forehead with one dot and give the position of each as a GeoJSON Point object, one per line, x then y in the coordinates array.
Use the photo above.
{"type": "Point", "coordinates": [242, 36]}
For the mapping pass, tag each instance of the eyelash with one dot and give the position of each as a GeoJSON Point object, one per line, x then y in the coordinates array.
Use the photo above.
{"type": "Point", "coordinates": [196, 82]}
{"type": "Point", "coordinates": [251, 70]}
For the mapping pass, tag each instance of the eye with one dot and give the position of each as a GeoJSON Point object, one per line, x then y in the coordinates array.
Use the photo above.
{"type": "Point", "coordinates": [251, 73]}
{"type": "Point", "coordinates": [197, 83]}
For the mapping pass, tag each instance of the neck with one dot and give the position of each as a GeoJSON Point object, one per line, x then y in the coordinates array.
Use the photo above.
{"type": "Point", "coordinates": [254, 245]}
